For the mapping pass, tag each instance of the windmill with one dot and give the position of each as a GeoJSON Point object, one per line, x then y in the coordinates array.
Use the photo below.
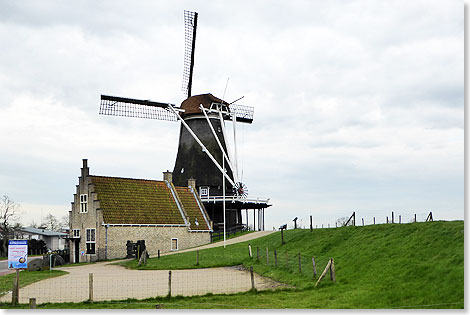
{"type": "Point", "coordinates": [204, 152]}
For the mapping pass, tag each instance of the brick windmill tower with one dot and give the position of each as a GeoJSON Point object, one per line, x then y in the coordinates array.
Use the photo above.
{"type": "Point", "coordinates": [205, 155]}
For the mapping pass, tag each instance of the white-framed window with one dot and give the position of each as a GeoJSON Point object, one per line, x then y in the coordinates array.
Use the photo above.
{"type": "Point", "coordinates": [204, 191]}
{"type": "Point", "coordinates": [174, 244]}
{"type": "Point", "coordinates": [91, 241]}
{"type": "Point", "coordinates": [83, 203]}
{"type": "Point", "coordinates": [76, 233]}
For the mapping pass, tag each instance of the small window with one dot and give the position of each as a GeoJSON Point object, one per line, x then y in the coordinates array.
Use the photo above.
{"type": "Point", "coordinates": [204, 191]}
{"type": "Point", "coordinates": [90, 248]}
{"type": "Point", "coordinates": [83, 203]}
{"type": "Point", "coordinates": [76, 233]}
{"type": "Point", "coordinates": [90, 241]}
{"type": "Point", "coordinates": [174, 244]}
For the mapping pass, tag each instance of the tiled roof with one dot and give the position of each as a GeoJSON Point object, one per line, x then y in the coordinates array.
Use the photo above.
{"type": "Point", "coordinates": [191, 105]}
{"type": "Point", "coordinates": [192, 208]}
{"type": "Point", "coordinates": [136, 201]}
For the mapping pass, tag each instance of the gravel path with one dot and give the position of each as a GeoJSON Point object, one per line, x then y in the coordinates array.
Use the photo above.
{"type": "Point", "coordinates": [112, 282]}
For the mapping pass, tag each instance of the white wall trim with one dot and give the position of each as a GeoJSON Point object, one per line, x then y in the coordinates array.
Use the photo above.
{"type": "Point", "coordinates": [149, 225]}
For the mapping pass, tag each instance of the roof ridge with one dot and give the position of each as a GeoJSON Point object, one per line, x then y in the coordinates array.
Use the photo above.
{"type": "Point", "coordinates": [132, 178]}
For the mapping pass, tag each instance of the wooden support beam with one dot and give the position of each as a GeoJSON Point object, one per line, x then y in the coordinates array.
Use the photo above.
{"type": "Point", "coordinates": [327, 268]}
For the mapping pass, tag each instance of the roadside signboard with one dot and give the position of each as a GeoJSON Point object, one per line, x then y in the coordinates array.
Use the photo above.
{"type": "Point", "coordinates": [17, 254]}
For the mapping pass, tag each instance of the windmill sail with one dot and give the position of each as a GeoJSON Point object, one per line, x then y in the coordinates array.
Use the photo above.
{"type": "Point", "coordinates": [190, 25]}
{"type": "Point", "coordinates": [243, 113]}
{"type": "Point", "coordinates": [128, 107]}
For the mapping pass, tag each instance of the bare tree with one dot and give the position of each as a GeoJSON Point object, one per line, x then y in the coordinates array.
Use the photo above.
{"type": "Point", "coordinates": [9, 215]}
{"type": "Point", "coordinates": [342, 221]}
{"type": "Point", "coordinates": [65, 221]}
{"type": "Point", "coordinates": [51, 223]}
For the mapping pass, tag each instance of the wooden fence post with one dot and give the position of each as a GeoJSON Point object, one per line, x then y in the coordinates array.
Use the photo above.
{"type": "Point", "coordinates": [15, 294]}
{"type": "Point", "coordinates": [387, 220]}
{"type": "Point", "coordinates": [314, 267]}
{"type": "Point", "coordinates": [197, 258]}
{"type": "Point", "coordinates": [332, 270]}
{"type": "Point", "coordinates": [415, 217]}
{"type": "Point", "coordinates": [311, 224]}
{"type": "Point", "coordinates": [275, 258]}
{"type": "Point", "coordinates": [252, 278]}
{"type": "Point", "coordinates": [267, 256]}
{"type": "Point", "coordinates": [169, 283]}
{"type": "Point", "coordinates": [399, 219]}
{"type": "Point", "coordinates": [362, 221]}
{"type": "Point", "coordinates": [374, 220]}
{"type": "Point", "coordinates": [249, 250]}
{"type": "Point", "coordinates": [393, 219]}
{"type": "Point", "coordinates": [32, 303]}
{"type": "Point", "coordinates": [90, 287]}
{"type": "Point", "coordinates": [158, 254]}
{"type": "Point", "coordinates": [300, 264]}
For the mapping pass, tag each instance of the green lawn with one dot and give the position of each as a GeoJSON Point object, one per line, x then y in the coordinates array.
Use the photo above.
{"type": "Point", "coordinates": [416, 265]}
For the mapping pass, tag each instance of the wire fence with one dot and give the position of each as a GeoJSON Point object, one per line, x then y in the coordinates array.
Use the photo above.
{"type": "Point", "coordinates": [361, 220]}
{"type": "Point", "coordinates": [291, 262]}
{"type": "Point", "coordinates": [140, 285]}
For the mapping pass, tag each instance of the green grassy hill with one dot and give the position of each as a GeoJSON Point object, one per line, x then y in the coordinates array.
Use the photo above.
{"type": "Point", "coordinates": [415, 265]}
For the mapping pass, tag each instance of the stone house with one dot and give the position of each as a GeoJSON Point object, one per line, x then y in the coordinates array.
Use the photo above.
{"type": "Point", "coordinates": [108, 211]}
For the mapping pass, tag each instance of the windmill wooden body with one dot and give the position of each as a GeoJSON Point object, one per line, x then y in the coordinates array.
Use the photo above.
{"type": "Point", "coordinates": [204, 153]}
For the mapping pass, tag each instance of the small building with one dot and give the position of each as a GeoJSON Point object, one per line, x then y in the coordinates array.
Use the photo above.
{"type": "Point", "coordinates": [54, 240]}
{"type": "Point", "coordinates": [109, 211]}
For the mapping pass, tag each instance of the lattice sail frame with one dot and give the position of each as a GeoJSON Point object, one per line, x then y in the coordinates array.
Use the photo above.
{"type": "Point", "coordinates": [189, 24]}
{"type": "Point", "coordinates": [243, 113]}
{"type": "Point", "coordinates": [119, 106]}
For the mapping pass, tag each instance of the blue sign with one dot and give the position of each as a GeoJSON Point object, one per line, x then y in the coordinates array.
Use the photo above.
{"type": "Point", "coordinates": [17, 254]}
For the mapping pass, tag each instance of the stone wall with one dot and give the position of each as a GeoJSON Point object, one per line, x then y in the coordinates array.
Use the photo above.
{"type": "Point", "coordinates": [156, 238]}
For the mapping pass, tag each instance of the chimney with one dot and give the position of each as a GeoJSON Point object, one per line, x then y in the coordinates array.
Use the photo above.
{"type": "Point", "coordinates": [85, 169]}
{"type": "Point", "coordinates": [168, 176]}
{"type": "Point", "coordinates": [192, 183]}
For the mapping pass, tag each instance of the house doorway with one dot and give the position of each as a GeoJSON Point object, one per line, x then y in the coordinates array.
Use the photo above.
{"type": "Point", "coordinates": [76, 248]}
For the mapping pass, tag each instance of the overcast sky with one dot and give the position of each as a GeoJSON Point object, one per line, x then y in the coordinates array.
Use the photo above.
{"type": "Point", "coordinates": [359, 105]}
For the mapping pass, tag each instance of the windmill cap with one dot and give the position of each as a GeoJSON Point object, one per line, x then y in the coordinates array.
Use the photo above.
{"type": "Point", "coordinates": [191, 104]}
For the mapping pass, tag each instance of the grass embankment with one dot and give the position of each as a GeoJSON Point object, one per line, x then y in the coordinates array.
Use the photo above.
{"type": "Point", "coordinates": [416, 265]}
{"type": "Point", "coordinates": [27, 277]}
{"type": "Point", "coordinates": [227, 237]}
{"type": "Point", "coordinates": [377, 266]}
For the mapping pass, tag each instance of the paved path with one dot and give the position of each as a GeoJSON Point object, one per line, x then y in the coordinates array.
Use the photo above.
{"type": "Point", "coordinates": [112, 282]}
{"type": "Point", "coordinates": [239, 239]}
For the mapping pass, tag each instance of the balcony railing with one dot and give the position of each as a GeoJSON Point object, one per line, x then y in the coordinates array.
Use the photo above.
{"type": "Point", "coordinates": [234, 199]}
